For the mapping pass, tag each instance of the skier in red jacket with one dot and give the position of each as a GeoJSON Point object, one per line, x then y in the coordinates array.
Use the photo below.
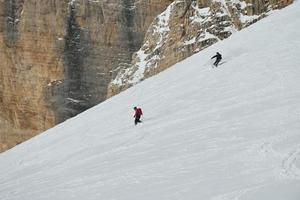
{"type": "Point", "coordinates": [137, 115]}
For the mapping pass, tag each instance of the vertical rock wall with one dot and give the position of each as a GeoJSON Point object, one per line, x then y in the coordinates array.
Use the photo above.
{"type": "Point", "coordinates": [29, 55]}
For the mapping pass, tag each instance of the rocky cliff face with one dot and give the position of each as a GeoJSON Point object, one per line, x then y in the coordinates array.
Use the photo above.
{"type": "Point", "coordinates": [30, 58]}
{"type": "Point", "coordinates": [186, 27]}
{"type": "Point", "coordinates": [58, 56]}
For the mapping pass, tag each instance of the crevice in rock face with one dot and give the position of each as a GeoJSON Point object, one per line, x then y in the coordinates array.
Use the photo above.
{"type": "Point", "coordinates": [73, 53]}
{"type": "Point", "coordinates": [129, 17]}
{"type": "Point", "coordinates": [71, 96]}
{"type": "Point", "coordinates": [12, 13]}
{"type": "Point", "coordinates": [187, 7]}
{"type": "Point", "coordinates": [77, 49]}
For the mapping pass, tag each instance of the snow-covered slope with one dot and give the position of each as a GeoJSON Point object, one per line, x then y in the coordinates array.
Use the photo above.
{"type": "Point", "coordinates": [231, 132]}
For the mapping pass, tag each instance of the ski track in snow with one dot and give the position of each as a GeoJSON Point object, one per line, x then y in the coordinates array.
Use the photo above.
{"type": "Point", "coordinates": [291, 165]}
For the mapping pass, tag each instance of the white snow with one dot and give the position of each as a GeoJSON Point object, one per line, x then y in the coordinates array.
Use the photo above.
{"type": "Point", "coordinates": [201, 14]}
{"type": "Point", "coordinates": [72, 2]}
{"type": "Point", "coordinates": [73, 100]}
{"type": "Point", "coordinates": [142, 64]}
{"type": "Point", "coordinates": [245, 18]}
{"type": "Point", "coordinates": [227, 133]}
{"type": "Point", "coordinates": [203, 37]}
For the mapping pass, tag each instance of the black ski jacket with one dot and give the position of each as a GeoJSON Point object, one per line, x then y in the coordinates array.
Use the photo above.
{"type": "Point", "coordinates": [218, 56]}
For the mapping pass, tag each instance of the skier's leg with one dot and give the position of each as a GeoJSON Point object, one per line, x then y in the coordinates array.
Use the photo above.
{"type": "Point", "coordinates": [135, 121]}
{"type": "Point", "coordinates": [217, 62]}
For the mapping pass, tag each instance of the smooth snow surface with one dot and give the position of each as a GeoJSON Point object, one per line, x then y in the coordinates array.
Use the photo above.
{"type": "Point", "coordinates": [227, 133]}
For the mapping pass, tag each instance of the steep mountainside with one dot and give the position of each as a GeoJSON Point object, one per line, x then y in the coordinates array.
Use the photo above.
{"type": "Point", "coordinates": [185, 28]}
{"type": "Point", "coordinates": [61, 57]}
{"type": "Point", "coordinates": [56, 57]}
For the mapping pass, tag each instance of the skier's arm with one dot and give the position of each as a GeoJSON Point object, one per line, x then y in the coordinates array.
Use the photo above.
{"type": "Point", "coordinates": [213, 56]}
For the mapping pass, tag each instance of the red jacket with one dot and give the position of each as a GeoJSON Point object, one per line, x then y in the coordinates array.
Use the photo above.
{"type": "Point", "coordinates": [138, 112]}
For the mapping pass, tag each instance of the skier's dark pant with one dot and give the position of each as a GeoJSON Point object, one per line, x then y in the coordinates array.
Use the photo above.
{"type": "Point", "coordinates": [217, 62]}
{"type": "Point", "coordinates": [137, 120]}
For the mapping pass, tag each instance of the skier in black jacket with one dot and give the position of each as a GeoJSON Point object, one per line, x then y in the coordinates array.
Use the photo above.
{"type": "Point", "coordinates": [218, 57]}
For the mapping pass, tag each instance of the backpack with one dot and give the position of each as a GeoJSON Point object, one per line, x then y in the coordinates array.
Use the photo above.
{"type": "Point", "coordinates": [139, 111]}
